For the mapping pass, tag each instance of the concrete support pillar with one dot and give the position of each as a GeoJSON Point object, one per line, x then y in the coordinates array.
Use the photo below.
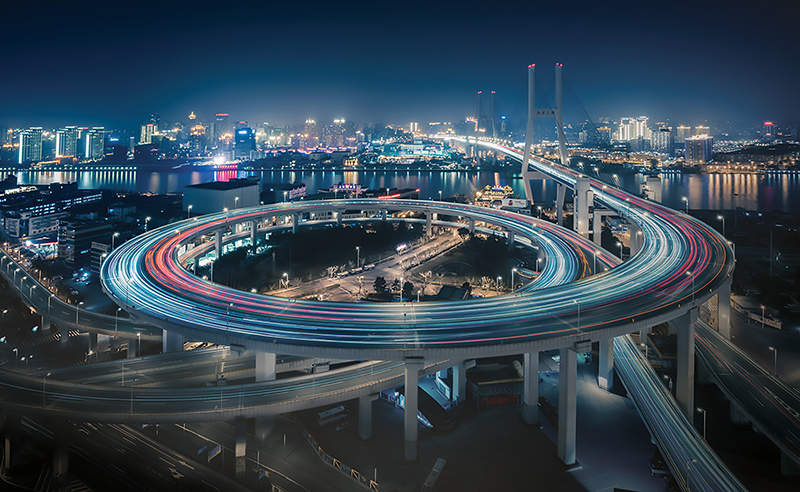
{"type": "Point", "coordinates": [171, 341]}
{"type": "Point", "coordinates": [684, 392]}
{"type": "Point", "coordinates": [384, 214]}
{"type": "Point", "coordinates": [241, 447]}
{"type": "Point", "coordinates": [263, 426]}
{"type": "Point", "coordinates": [472, 226]}
{"type": "Point", "coordinates": [63, 329]}
{"type": "Point", "coordinates": [365, 416]}
{"type": "Point", "coordinates": [265, 366]}
{"type": "Point", "coordinates": [605, 368]}
{"type": "Point", "coordinates": [338, 218]}
{"type": "Point", "coordinates": [459, 392]}
{"type": "Point", "coordinates": [530, 388]}
{"type": "Point", "coordinates": [253, 232]}
{"type": "Point", "coordinates": [133, 348]}
{"type": "Point", "coordinates": [724, 309]}
{"type": "Point", "coordinates": [738, 417]}
{"type": "Point", "coordinates": [581, 204]}
{"type": "Point", "coordinates": [567, 405]}
{"type": "Point", "coordinates": [428, 219]}
{"type": "Point", "coordinates": [597, 227]}
{"type": "Point", "coordinates": [789, 467]}
{"type": "Point", "coordinates": [13, 442]}
{"type": "Point", "coordinates": [412, 368]}
{"type": "Point", "coordinates": [295, 223]}
{"type": "Point", "coordinates": [653, 188]}
{"type": "Point", "coordinates": [60, 451]}
{"type": "Point", "coordinates": [561, 194]}
{"type": "Point", "coordinates": [218, 243]}
{"type": "Point", "coordinates": [92, 342]}
{"type": "Point", "coordinates": [510, 240]}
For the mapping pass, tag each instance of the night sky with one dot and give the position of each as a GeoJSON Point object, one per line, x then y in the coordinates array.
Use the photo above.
{"type": "Point", "coordinates": [111, 63]}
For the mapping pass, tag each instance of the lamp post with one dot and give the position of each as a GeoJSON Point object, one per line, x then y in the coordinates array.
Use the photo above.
{"type": "Point", "coordinates": [16, 358]}
{"type": "Point", "coordinates": [762, 317]}
{"type": "Point", "coordinates": [78, 311]}
{"type": "Point", "coordinates": [540, 211]}
{"type": "Point", "coordinates": [236, 202]}
{"type": "Point", "coordinates": [720, 217]}
{"type": "Point", "coordinates": [594, 266]}
{"type": "Point", "coordinates": [30, 293]}
{"type": "Point", "coordinates": [537, 264]}
{"type": "Point", "coordinates": [189, 211]}
{"type": "Point", "coordinates": [685, 199]}
{"type": "Point", "coordinates": [44, 385]}
{"type": "Point", "coordinates": [669, 381]}
{"type": "Point", "coordinates": [440, 195]}
{"type": "Point", "coordinates": [704, 421]}
{"type": "Point", "coordinates": [113, 240]}
{"type": "Point", "coordinates": [513, 271]}
{"type": "Point", "coordinates": [358, 256]}
{"type": "Point", "coordinates": [579, 315]}
{"type": "Point", "coordinates": [138, 345]}
{"type": "Point", "coordinates": [116, 319]}
{"type": "Point", "coordinates": [689, 461]}
{"type": "Point", "coordinates": [228, 318]}
{"type": "Point", "coordinates": [48, 302]}
{"type": "Point", "coordinates": [146, 220]}
{"type": "Point", "coordinates": [285, 278]}
{"type": "Point", "coordinates": [402, 284]}
{"type": "Point", "coordinates": [689, 273]}
{"type": "Point", "coordinates": [775, 360]}
{"type": "Point", "coordinates": [620, 249]}
{"type": "Point", "coordinates": [497, 285]}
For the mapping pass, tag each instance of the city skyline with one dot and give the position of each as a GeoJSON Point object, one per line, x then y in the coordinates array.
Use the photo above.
{"type": "Point", "coordinates": [285, 63]}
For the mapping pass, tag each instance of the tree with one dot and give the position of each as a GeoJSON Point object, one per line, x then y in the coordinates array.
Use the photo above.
{"type": "Point", "coordinates": [465, 286]}
{"type": "Point", "coordinates": [463, 232]}
{"type": "Point", "coordinates": [408, 289]}
{"type": "Point", "coordinates": [379, 285]}
{"type": "Point", "coordinates": [396, 285]}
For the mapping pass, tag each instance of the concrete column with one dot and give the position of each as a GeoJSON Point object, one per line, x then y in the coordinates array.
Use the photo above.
{"type": "Point", "coordinates": [428, 218]}
{"type": "Point", "coordinates": [263, 426]}
{"type": "Point", "coordinates": [92, 342]}
{"type": "Point", "coordinates": [605, 369]}
{"type": "Point", "coordinates": [530, 388]}
{"type": "Point", "coordinates": [241, 447]}
{"type": "Point", "coordinates": [13, 442]}
{"type": "Point", "coordinates": [384, 213]}
{"type": "Point", "coordinates": [63, 329]}
{"type": "Point", "coordinates": [218, 243]}
{"type": "Point", "coordinates": [472, 226]}
{"type": "Point", "coordinates": [684, 391]}
{"type": "Point", "coordinates": [724, 309]}
{"type": "Point", "coordinates": [295, 223]}
{"type": "Point", "coordinates": [265, 366]}
{"type": "Point", "coordinates": [339, 218]}
{"type": "Point", "coordinates": [365, 416]}
{"type": "Point", "coordinates": [636, 238]}
{"type": "Point", "coordinates": [561, 194]}
{"type": "Point", "coordinates": [171, 341]}
{"type": "Point", "coordinates": [60, 451]}
{"type": "Point", "coordinates": [510, 240]}
{"type": "Point", "coordinates": [133, 348]}
{"type": "Point", "coordinates": [412, 367]}
{"type": "Point", "coordinates": [253, 232]}
{"type": "Point", "coordinates": [597, 227]}
{"type": "Point", "coordinates": [738, 417]}
{"type": "Point", "coordinates": [567, 405]}
{"type": "Point", "coordinates": [580, 223]}
{"type": "Point", "coordinates": [459, 392]}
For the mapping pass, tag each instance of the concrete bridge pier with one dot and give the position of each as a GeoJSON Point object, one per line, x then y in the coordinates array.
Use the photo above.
{"type": "Point", "coordinates": [684, 391]}
{"type": "Point", "coordinates": [295, 223]}
{"type": "Point", "coordinates": [338, 218]}
{"type": "Point", "coordinates": [412, 368]}
{"type": "Point", "coordinates": [253, 232]}
{"type": "Point", "coordinates": [63, 329]}
{"type": "Point", "coordinates": [567, 405]}
{"type": "Point", "coordinates": [428, 223]}
{"type": "Point", "coordinates": [365, 416]}
{"type": "Point", "coordinates": [384, 213]}
{"type": "Point", "coordinates": [510, 239]}
{"type": "Point", "coordinates": [724, 309]}
{"type": "Point", "coordinates": [60, 451]}
{"type": "Point", "coordinates": [581, 201]}
{"type": "Point", "coordinates": [171, 342]}
{"type": "Point", "coordinates": [459, 392]}
{"type": "Point", "coordinates": [92, 343]}
{"type": "Point", "coordinates": [240, 449]}
{"type": "Point", "coordinates": [561, 194]}
{"type": "Point", "coordinates": [636, 238]}
{"type": "Point", "coordinates": [472, 226]}
{"type": "Point", "coordinates": [13, 442]}
{"type": "Point", "coordinates": [605, 369]}
{"type": "Point", "coordinates": [530, 388]}
{"type": "Point", "coordinates": [218, 243]}
{"type": "Point", "coordinates": [265, 367]}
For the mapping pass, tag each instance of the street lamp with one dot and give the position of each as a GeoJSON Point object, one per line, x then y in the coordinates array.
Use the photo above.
{"type": "Point", "coordinates": [285, 278]}
{"type": "Point", "coordinates": [537, 264]}
{"type": "Point", "coordinates": [77, 311]}
{"type": "Point", "coordinates": [762, 317]}
{"type": "Point", "coordinates": [139, 345]}
{"type": "Point", "coordinates": [228, 318]}
{"type": "Point", "coordinates": [579, 315]}
{"type": "Point", "coordinates": [189, 211]}
{"type": "Point", "coordinates": [44, 385]}
{"type": "Point", "coordinates": [440, 195]}
{"type": "Point", "coordinates": [113, 242]}
{"type": "Point", "coordinates": [704, 421]}
{"type": "Point", "coordinates": [594, 266]}
{"type": "Point", "coordinates": [358, 256]}
{"type": "Point", "coordinates": [620, 249]}
{"type": "Point", "coordinates": [540, 211]}
{"type": "Point", "coordinates": [685, 199]}
{"type": "Point", "coordinates": [497, 284]}
{"type": "Point", "coordinates": [689, 273]}
{"type": "Point", "coordinates": [48, 302]}
{"type": "Point", "coordinates": [116, 319]}
{"type": "Point", "coordinates": [513, 271]}
{"type": "Point", "coordinates": [689, 461]}
{"type": "Point", "coordinates": [236, 202]}
{"type": "Point", "coordinates": [16, 358]}
{"type": "Point", "coordinates": [775, 360]}
{"type": "Point", "coordinates": [30, 292]}
{"type": "Point", "coordinates": [720, 217]}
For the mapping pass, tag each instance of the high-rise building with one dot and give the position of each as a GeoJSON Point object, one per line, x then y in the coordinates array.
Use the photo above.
{"type": "Point", "coordinates": [701, 130]}
{"type": "Point", "coordinates": [310, 135]}
{"type": "Point", "coordinates": [95, 143]}
{"type": "Point", "coordinates": [245, 143]}
{"type": "Point", "coordinates": [337, 133]}
{"type": "Point", "coordinates": [30, 145]}
{"type": "Point", "coordinates": [221, 125]}
{"type": "Point", "coordinates": [699, 150]}
{"type": "Point", "coordinates": [147, 133]}
{"type": "Point", "coordinates": [67, 142]}
{"type": "Point", "coordinates": [663, 140]}
{"type": "Point", "coordinates": [633, 129]}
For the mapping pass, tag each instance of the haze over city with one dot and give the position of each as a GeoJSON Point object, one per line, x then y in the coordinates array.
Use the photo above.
{"type": "Point", "coordinates": [106, 64]}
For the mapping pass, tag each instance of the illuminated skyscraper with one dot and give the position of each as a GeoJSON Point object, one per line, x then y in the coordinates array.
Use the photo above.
{"type": "Point", "coordinates": [95, 143]}
{"type": "Point", "coordinates": [633, 129]}
{"type": "Point", "coordinates": [311, 136]}
{"type": "Point", "coordinates": [245, 143]}
{"type": "Point", "coordinates": [221, 125]}
{"type": "Point", "coordinates": [67, 142]}
{"type": "Point", "coordinates": [30, 145]}
{"type": "Point", "coordinates": [663, 140]}
{"type": "Point", "coordinates": [148, 131]}
{"type": "Point", "coordinates": [699, 150]}
{"type": "Point", "coordinates": [701, 130]}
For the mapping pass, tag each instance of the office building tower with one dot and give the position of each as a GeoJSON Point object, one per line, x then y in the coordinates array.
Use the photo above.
{"type": "Point", "coordinates": [633, 129]}
{"type": "Point", "coordinates": [310, 135]}
{"type": "Point", "coordinates": [95, 144]}
{"type": "Point", "coordinates": [147, 133]}
{"type": "Point", "coordinates": [699, 150]}
{"type": "Point", "coordinates": [67, 142]}
{"type": "Point", "coordinates": [30, 145]}
{"type": "Point", "coordinates": [663, 140]}
{"type": "Point", "coordinates": [701, 130]}
{"type": "Point", "coordinates": [222, 126]}
{"type": "Point", "coordinates": [245, 143]}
